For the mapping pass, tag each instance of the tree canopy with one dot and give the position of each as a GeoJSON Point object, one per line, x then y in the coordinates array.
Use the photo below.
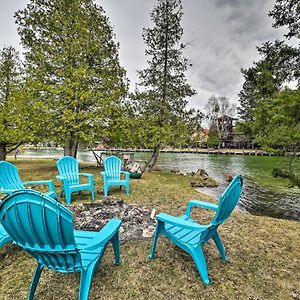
{"type": "Point", "coordinates": [278, 66]}
{"type": "Point", "coordinates": [287, 13]}
{"type": "Point", "coordinates": [277, 128]}
{"type": "Point", "coordinates": [73, 65]}
{"type": "Point", "coordinates": [277, 121]}
{"type": "Point", "coordinates": [14, 113]}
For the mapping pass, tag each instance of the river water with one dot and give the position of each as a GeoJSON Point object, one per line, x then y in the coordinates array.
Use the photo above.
{"type": "Point", "coordinates": [257, 198]}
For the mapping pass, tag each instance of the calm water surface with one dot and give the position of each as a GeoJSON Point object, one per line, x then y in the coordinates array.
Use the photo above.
{"type": "Point", "coordinates": [260, 195]}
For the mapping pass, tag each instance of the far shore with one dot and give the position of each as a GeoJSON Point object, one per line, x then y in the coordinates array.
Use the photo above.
{"type": "Point", "coordinates": [224, 151]}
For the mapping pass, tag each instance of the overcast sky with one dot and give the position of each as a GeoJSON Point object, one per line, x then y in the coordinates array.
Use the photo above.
{"type": "Point", "coordinates": [222, 37]}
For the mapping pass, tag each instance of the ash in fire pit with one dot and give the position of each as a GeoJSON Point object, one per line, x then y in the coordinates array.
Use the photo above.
{"type": "Point", "coordinates": [137, 222]}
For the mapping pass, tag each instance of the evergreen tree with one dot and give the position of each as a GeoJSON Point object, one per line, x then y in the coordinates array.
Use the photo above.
{"type": "Point", "coordinates": [287, 13]}
{"type": "Point", "coordinates": [73, 66]}
{"type": "Point", "coordinates": [162, 102]}
{"type": "Point", "coordinates": [13, 130]}
{"type": "Point", "coordinates": [279, 65]}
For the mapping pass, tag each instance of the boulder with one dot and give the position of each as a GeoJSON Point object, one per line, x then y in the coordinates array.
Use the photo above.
{"type": "Point", "coordinates": [228, 177]}
{"type": "Point", "coordinates": [202, 173]}
{"type": "Point", "coordinates": [202, 179]}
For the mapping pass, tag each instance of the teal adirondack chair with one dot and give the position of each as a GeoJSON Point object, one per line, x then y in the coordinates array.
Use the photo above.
{"type": "Point", "coordinates": [10, 181]}
{"type": "Point", "coordinates": [190, 236]}
{"type": "Point", "coordinates": [4, 237]}
{"type": "Point", "coordinates": [112, 174]}
{"type": "Point", "coordinates": [68, 169]}
{"type": "Point", "coordinates": [44, 228]}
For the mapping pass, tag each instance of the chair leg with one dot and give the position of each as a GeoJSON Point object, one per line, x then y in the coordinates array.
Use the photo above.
{"type": "Point", "coordinates": [4, 239]}
{"type": "Point", "coordinates": [35, 280]}
{"type": "Point", "coordinates": [199, 259]}
{"type": "Point", "coordinates": [127, 189]}
{"type": "Point", "coordinates": [86, 281]}
{"type": "Point", "coordinates": [156, 234]}
{"type": "Point", "coordinates": [92, 193]}
{"type": "Point", "coordinates": [68, 197]}
{"type": "Point", "coordinates": [105, 190]}
{"type": "Point", "coordinates": [51, 187]}
{"type": "Point", "coordinates": [220, 246]}
{"type": "Point", "coordinates": [116, 245]}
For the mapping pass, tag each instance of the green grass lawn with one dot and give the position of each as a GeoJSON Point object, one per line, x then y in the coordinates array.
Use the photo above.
{"type": "Point", "coordinates": [264, 253]}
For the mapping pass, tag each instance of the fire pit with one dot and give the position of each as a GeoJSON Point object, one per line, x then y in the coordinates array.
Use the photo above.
{"type": "Point", "coordinates": [137, 221]}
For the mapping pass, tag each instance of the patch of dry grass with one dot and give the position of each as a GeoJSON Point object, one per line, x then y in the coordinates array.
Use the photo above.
{"type": "Point", "coordinates": [264, 253]}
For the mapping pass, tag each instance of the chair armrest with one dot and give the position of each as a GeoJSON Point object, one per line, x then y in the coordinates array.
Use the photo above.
{"type": "Point", "coordinates": [4, 237]}
{"type": "Point", "coordinates": [63, 179]}
{"type": "Point", "coordinates": [104, 235]}
{"type": "Point", "coordinates": [6, 191]}
{"type": "Point", "coordinates": [125, 172]}
{"type": "Point", "coordinates": [47, 182]}
{"type": "Point", "coordinates": [38, 182]}
{"type": "Point", "coordinates": [86, 175]}
{"type": "Point", "coordinates": [165, 218]}
{"type": "Point", "coordinates": [202, 204]}
{"type": "Point", "coordinates": [103, 174]}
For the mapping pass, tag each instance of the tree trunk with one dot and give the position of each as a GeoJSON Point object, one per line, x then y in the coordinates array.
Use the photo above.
{"type": "Point", "coordinates": [3, 151]}
{"type": "Point", "coordinates": [152, 161]}
{"type": "Point", "coordinates": [71, 148]}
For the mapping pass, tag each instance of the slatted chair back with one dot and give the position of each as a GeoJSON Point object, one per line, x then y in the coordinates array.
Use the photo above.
{"type": "Point", "coordinates": [43, 227]}
{"type": "Point", "coordinates": [112, 167]}
{"type": "Point", "coordinates": [69, 168]}
{"type": "Point", "coordinates": [228, 200]}
{"type": "Point", "coordinates": [9, 177]}
{"type": "Point", "coordinates": [227, 203]}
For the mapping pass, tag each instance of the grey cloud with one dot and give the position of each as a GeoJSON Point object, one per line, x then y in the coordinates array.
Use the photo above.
{"type": "Point", "coordinates": [222, 3]}
{"type": "Point", "coordinates": [247, 20]}
{"type": "Point", "coordinates": [223, 35]}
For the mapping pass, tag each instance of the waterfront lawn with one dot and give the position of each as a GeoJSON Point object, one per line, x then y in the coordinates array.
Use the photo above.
{"type": "Point", "coordinates": [264, 253]}
{"type": "Point", "coordinates": [260, 170]}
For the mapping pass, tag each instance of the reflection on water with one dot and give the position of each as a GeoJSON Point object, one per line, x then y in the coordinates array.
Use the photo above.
{"type": "Point", "coordinates": [255, 199]}
{"type": "Point", "coordinates": [260, 201]}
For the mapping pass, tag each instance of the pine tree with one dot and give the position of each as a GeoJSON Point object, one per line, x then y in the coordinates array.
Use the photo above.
{"type": "Point", "coordinates": [73, 66]}
{"type": "Point", "coordinates": [162, 102]}
{"type": "Point", "coordinates": [287, 13]}
{"type": "Point", "coordinates": [278, 66]}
